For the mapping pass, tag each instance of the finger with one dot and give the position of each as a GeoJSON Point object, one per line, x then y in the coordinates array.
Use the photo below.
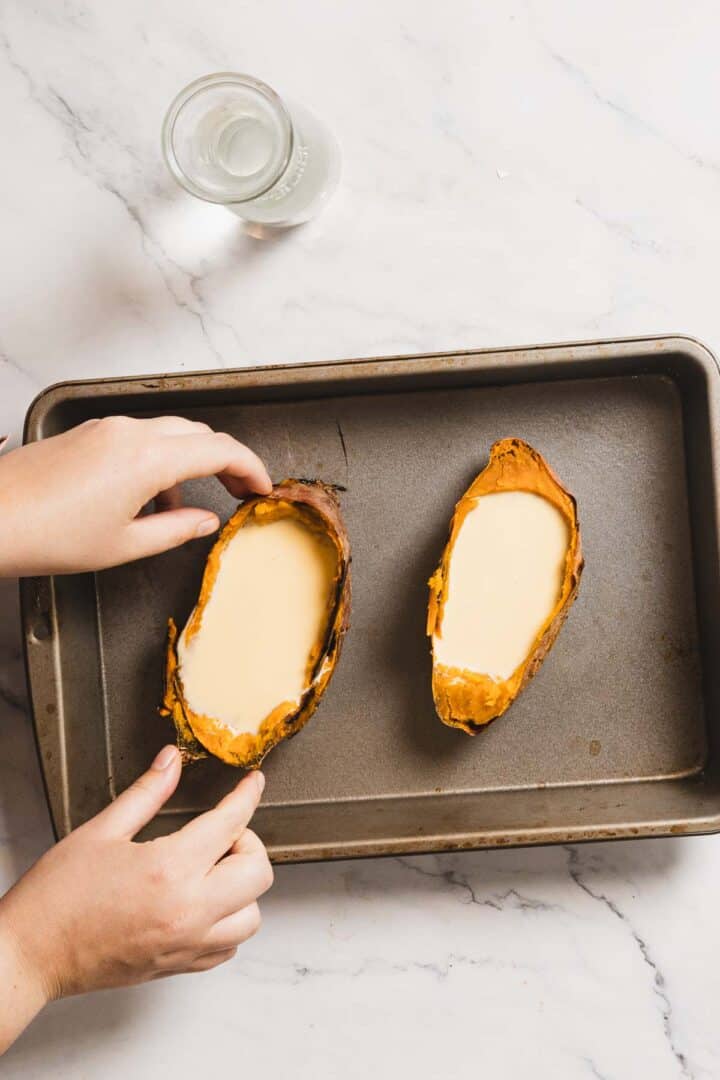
{"type": "Point", "coordinates": [190, 457]}
{"type": "Point", "coordinates": [212, 960]}
{"type": "Point", "coordinates": [239, 488]}
{"type": "Point", "coordinates": [154, 533]}
{"type": "Point", "coordinates": [212, 834]}
{"type": "Point", "coordinates": [233, 930]}
{"type": "Point", "coordinates": [139, 803]}
{"type": "Point", "coordinates": [201, 963]}
{"type": "Point", "coordinates": [176, 425]}
{"type": "Point", "coordinates": [237, 881]}
{"type": "Point", "coordinates": [170, 499]}
{"type": "Point", "coordinates": [249, 843]}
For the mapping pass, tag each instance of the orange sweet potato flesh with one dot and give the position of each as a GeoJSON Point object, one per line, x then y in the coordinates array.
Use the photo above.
{"type": "Point", "coordinates": [470, 700]}
{"type": "Point", "coordinates": [316, 504]}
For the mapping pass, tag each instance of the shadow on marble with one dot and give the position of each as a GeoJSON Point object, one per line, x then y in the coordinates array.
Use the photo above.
{"type": "Point", "coordinates": [67, 1030]}
{"type": "Point", "coordinates": [108, 294]}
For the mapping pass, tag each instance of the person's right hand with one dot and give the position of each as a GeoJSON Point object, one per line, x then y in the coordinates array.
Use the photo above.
{"type": "Point", "coordinates": [73, 502]}
{"type": "Point", "coordinates": [101, 910]}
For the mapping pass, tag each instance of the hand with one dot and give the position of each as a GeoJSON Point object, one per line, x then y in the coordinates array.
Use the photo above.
{"type": "Point", "coordinates": [99, 910]}
{"type": "Point", "coordinates": [72, 502]}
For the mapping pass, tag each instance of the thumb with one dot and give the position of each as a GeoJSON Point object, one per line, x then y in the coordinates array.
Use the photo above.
{"type": "Point", "coordinates": [139, 803]}
{"type": "Point", "coordinates": [166, 529]}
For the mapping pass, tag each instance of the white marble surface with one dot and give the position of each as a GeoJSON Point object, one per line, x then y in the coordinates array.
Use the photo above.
{"type": "Point", "coordinates": [513, 172]}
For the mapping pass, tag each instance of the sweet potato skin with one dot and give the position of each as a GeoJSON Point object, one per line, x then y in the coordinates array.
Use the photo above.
{"type": "Point", "coordinates": [465, 699]}
{"type": "Point", "coordinates": [199, 735]}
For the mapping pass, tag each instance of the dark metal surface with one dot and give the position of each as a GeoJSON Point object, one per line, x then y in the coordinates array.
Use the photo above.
{"type": "Point", "coordinates": [617, 734]}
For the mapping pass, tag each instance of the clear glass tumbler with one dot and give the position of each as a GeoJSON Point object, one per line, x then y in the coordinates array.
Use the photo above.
{"type": "Point", "coordinates": [230, 139]}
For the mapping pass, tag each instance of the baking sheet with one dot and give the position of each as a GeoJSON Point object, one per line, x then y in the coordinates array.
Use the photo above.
{"type": "Point", "coordinates": [617, 719]}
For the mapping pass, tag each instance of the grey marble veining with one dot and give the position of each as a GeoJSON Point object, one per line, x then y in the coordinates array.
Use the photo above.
{"type": "Point", "coordinates": [513, 173]}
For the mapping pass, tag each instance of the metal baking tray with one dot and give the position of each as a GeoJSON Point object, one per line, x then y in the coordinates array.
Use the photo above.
{"type": "Point", "coordinates": [618, 734]}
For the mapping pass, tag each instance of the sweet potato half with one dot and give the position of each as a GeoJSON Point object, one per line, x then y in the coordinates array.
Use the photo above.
{"type": "Point", "coordinates": [505, 583]}
{"type": "Point", "coordinates": [262, 642]}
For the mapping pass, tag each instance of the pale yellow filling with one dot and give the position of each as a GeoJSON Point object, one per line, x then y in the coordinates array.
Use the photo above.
{"type": "Point", "coordinates": [505, 577]}
{"type": "Point", "coordinates": [267, 610]}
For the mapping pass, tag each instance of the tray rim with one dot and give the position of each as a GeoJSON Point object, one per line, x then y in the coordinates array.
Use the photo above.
{"type": "Point", "coordinates": [176, 380]}
{"type": "Point", "coordinates": [496, 359]}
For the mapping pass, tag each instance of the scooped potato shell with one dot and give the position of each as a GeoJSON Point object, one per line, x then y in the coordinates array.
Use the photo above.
{"type": "Point", "coordinates": [466, 699]}
{"type": "Point", "coordinates": [316, 504]}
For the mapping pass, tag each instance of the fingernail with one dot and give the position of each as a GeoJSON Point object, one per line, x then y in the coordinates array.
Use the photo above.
{"type": "Point", "coordinates": [260, 781]}
{"type": "Point", "coordinates": [209, 525]}
{"type": "Point", "coordinates": [164, 758]}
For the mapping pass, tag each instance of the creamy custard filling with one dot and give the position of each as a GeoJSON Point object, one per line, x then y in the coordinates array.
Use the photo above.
{"type": "Point", "coordinates": [267, 611]}
{"type": "Point", "coordinates": [505, 577]}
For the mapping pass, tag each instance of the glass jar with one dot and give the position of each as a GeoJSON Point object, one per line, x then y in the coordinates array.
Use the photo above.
{"type": "Point", "coordinates": [230, 139]}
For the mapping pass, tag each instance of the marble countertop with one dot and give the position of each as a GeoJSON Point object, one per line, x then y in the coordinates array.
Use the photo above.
{"type": "Point", "coordinates": [513, 173]}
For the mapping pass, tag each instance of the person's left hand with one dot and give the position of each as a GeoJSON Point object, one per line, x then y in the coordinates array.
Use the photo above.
{"type": "Point", "coordinates": [101, 909]}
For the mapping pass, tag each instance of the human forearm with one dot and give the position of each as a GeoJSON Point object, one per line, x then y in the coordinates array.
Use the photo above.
{"type": "Point", "coordinates": [22, 994]}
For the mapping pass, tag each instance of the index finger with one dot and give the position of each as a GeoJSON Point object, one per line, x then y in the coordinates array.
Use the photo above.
{"type": "Point", "coordinates": [213, 834]}
{"type": "Point", "coordinates": [215, 453]}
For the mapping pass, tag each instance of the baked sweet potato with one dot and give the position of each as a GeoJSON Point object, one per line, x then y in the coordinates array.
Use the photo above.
{"type": "Point", "coordinates": [262, 642]}
{"type": "Point", "coordinates": [505, 583]}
